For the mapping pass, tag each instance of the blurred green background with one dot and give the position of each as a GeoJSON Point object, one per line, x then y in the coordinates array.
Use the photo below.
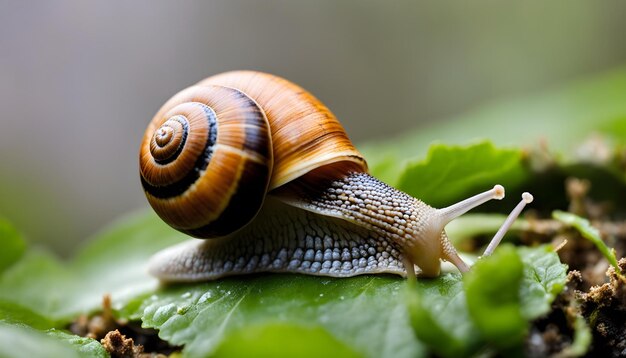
{"type": "Point", "coordinates": [79, 81]}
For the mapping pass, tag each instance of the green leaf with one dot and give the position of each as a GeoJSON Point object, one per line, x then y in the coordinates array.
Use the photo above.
{"type": "Point", "coordinates": [364, 313]}
{"type": "Point", "coordinates": [451, 172]}
{"type": "Point", "coordinates": [491, 307]}
{"type": "Point", "coordinates": [40, 283]}
{"type": "Point", "coordinates": [13, 313]}
{"type": "Point", "coordinates": [115, 262]}
{"type": "Point", "coordinates": [544, 278]}
{"type": "Point", "coordinates": [282, 340]}
{"type": "Point", "coordinates": [589, 232]}
{"type": "Point", "coordinates": [13, 246]}
{"type": "Point", "coordinates": [86, 347]}
{"type": "Point", "coordinates": [22, 341]}
{"type": "Point", "coordinates": [440, 318]}
{"type": "Point", "coordinates": [493, 298]}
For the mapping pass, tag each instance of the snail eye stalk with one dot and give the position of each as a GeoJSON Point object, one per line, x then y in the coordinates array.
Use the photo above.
{"type": "Point", "coordinates": [527, 198]}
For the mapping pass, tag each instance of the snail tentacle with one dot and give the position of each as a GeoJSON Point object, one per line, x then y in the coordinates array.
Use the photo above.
{"type": "Point", "coordinates": [527, 198]}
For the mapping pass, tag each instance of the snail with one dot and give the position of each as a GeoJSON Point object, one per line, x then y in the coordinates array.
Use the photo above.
{"type": "Point", "coordinates": [266, 173]}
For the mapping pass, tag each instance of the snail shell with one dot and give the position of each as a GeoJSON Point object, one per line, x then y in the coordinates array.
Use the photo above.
{"type": "Point", "coordinates": [207, 159]}
{"type": "Point", "coordinates": [264, 170]}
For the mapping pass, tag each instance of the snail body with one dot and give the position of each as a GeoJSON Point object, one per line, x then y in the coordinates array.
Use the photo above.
{"type": "Point", "coordinates": [265, 172]}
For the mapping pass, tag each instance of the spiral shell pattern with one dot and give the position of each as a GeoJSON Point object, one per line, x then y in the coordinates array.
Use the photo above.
{"type": "Point", "coordinates": [206, 161]}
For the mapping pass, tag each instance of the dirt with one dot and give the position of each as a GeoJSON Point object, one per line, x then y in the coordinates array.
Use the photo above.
{"type": "Point", "coordinates": [119, 337]}
{"type": "Point", "coordinates": [119, 346]}
{"type": "Point", "coordinates": [594, 289]}
{"type": "Point", "coordinates": [604, 307]}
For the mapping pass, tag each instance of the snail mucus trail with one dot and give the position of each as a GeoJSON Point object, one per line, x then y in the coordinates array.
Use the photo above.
{"type": "Point", "coordinates": [265, 172]}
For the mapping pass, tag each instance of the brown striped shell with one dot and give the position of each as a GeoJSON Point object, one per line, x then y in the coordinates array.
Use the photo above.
{"type": "Point", "coordinates": [213, 150]}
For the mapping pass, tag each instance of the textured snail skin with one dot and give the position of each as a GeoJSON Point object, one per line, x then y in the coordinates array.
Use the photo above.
{"type": "Point", "coordinates": [265, 171]}
{"type": "Point", "coordinates": [282, 239]}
